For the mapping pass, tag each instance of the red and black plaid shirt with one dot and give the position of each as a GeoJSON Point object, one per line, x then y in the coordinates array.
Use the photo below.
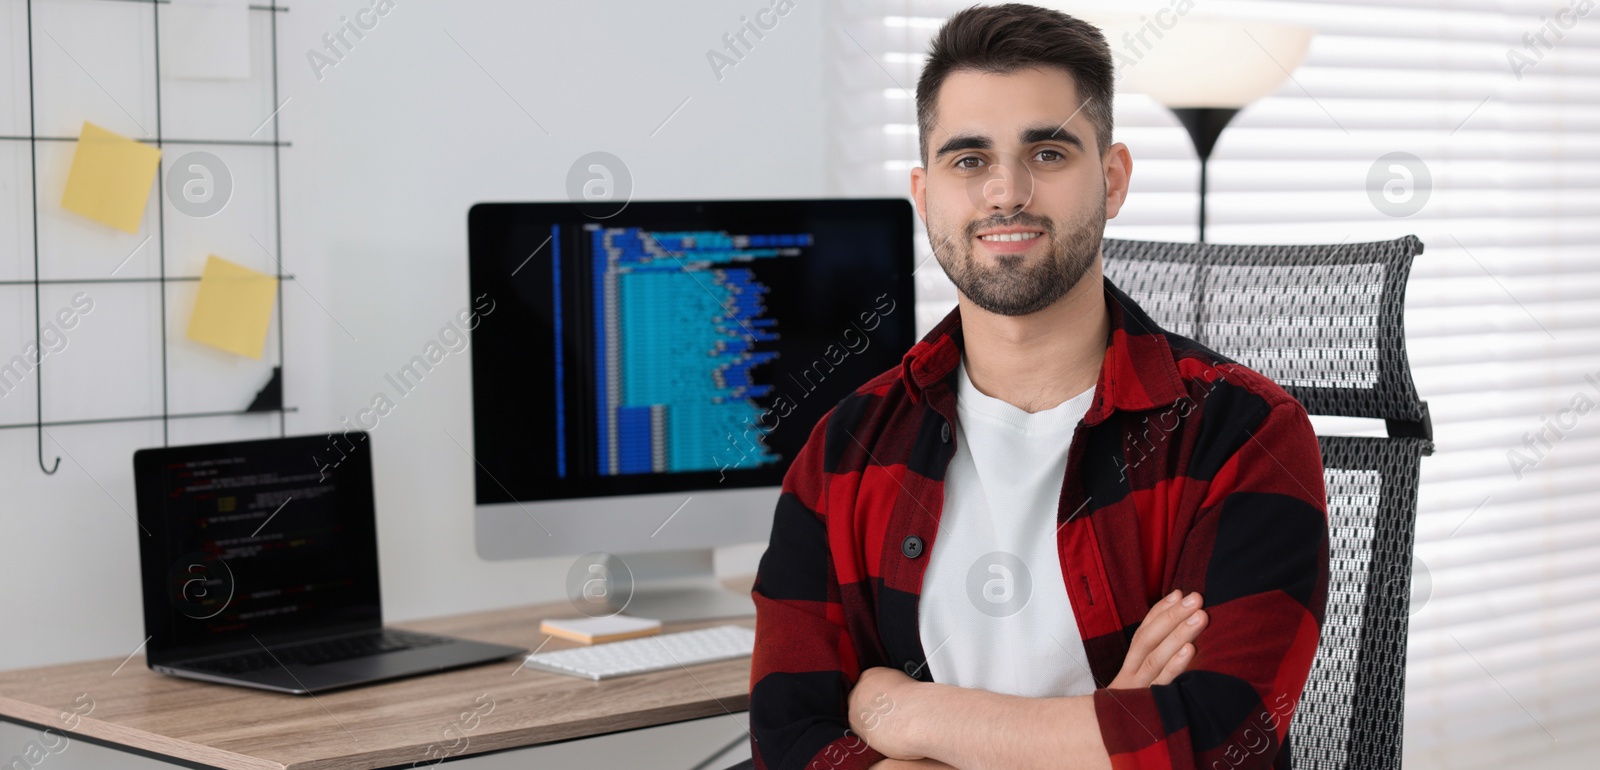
{"type": "Point", "coordinates": [1189, 471]}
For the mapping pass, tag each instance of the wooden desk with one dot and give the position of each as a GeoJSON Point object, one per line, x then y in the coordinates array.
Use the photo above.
{"type": "Point", "coordinates": [485, 708]}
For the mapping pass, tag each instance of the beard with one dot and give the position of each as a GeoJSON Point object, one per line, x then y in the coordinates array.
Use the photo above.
{"type": "Point", "coordinates": [1015, 286]}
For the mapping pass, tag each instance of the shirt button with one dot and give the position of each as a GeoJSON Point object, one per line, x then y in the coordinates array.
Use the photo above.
{"type": "Point", "coordinates": [944, 433]}
{"type": "Point", "coordinates": [911, 546]}
{"type": "Point", "coordinates": [911, 669]}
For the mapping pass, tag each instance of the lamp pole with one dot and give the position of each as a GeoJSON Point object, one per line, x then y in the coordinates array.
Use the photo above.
{"type": "Point", "coordinates": [1204, 125]}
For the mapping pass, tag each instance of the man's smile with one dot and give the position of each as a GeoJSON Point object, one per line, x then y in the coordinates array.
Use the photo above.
{"type": "Point", "coordinates": [1010, 240]}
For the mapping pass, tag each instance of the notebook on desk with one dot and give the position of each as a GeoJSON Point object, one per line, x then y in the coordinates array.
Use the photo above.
{"type": "Point", "coordinates": [259, 568]}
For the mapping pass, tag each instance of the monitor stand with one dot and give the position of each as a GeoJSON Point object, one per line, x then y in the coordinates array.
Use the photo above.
{"type": "Point", "coordinates": [680, 585]}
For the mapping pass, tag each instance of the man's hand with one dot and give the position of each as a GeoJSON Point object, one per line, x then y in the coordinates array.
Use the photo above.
{"type": "Point", "coordinates": [878, 713]}
{"type": "Point", "coordinates": [1163, 646]}
{"type": "Point", "coordinates": [913, 764]}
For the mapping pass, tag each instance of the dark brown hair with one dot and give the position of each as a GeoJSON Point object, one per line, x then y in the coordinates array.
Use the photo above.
{"type": "Point", "coordinates": [1001, 39]}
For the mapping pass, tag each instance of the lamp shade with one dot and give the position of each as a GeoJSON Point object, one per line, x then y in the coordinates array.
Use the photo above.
{"type": "Point", "coordinates": [1206, 62]}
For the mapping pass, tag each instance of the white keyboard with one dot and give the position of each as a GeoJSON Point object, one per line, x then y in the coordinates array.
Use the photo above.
{"type": "Point", "coordinates": [648, 653]}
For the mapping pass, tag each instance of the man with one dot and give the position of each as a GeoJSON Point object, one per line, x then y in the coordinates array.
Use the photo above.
{"type": "Point", "coordinates": [994, 555]}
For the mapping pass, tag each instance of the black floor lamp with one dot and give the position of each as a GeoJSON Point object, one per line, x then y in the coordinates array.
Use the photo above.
{"type": "Point", "coordinates": [1205, 70]}
{"type": "Point", "coordinates": [1204, 125]}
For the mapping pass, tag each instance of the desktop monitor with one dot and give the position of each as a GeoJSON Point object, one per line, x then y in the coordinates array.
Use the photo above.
{"type": "Point", "coordinates": [642, 378]}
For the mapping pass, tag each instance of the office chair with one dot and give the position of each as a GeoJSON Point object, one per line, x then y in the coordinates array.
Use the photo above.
{"type": "Point", "coordinates": [1327, 324]}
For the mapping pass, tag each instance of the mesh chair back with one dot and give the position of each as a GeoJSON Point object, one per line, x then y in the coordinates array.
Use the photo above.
{"type": "Point", "coordinates": [1326, 323]}
{"type": "Point", "coordinates": [1353, 707]}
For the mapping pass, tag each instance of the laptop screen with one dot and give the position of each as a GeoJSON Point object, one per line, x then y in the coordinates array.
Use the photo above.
{"type": "Point", "coordinates": [267, 540]}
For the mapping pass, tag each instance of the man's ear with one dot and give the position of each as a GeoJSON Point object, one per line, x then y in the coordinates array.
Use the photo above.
{"type": "Point", "coordinates": [1118, 168]}
{"type": "Point", "coordinates": [919, 191]}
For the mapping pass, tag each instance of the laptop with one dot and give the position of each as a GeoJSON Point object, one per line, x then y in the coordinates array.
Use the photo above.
{"type": "Point", "coordinates": [260, 568]}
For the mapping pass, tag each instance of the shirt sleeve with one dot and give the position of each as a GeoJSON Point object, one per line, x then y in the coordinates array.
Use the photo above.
{"type": "Point", "coordinates": [1258, 554]}
{"type": "Point", "coordinates": [804, 663]}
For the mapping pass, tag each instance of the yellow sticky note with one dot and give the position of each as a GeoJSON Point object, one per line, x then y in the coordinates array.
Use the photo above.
{"type": "Point", "coordinates": [110, 178]}
{"type": "Point", "coordinates": [234, 307]}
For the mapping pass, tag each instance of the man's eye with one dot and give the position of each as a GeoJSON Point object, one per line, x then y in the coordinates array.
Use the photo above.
{"type": "Point", "coordinates": [1056, 156]}
{"type": "Point", "coordinates": [962, 162]}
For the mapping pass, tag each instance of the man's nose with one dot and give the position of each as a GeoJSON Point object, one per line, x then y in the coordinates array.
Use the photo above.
{"type": "Point", "coordinates": [1007, 187]}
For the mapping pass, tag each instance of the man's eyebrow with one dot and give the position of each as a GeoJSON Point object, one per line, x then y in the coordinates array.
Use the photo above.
{"type": "Point", "coordinates": [1030, 135]}
{"type": "Point", "coordinates": [1051, 133]}
{"type": "Point", "coordinates": [961, 142]}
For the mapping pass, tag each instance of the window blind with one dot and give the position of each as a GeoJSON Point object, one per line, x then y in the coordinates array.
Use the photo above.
{"type": "Point", "coordinates": [1499, 103]}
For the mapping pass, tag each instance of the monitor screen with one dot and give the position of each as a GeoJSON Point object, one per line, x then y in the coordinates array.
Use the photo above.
{"type": "Point", "coordinates": [674, 345]}
{"type": "Point", "coordinates": [264, 539]}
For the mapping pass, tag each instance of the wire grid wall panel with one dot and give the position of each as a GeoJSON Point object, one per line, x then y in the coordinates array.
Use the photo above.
{"type": "Point", "coordinates": [100, 61]}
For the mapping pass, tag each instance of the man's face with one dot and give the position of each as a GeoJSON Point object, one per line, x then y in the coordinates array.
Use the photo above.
{"type": "Point", "coordinates": [1014, 192]}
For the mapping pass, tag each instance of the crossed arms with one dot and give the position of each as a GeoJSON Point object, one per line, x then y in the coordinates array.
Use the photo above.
{"type": "Point", "coordinates": [912, 722]}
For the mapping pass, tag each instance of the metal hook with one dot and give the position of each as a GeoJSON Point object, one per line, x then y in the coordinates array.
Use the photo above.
{"type": "Point", "coordinates": [52, 469]}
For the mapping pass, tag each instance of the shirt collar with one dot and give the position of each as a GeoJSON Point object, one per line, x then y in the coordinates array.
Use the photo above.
{"type": "Point", "coordinates": [1138, 372]}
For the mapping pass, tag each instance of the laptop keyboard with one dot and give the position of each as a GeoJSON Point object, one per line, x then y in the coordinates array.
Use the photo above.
{"type": "Point", "coordinates": [324, 651]}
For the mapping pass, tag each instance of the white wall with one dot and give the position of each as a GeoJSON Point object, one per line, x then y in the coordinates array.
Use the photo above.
{"type": "Point", "coordinates": [389, 151]}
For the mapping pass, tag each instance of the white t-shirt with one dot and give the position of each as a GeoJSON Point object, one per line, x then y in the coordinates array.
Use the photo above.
{"type": "Point", "coordinates": [994, 612]}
